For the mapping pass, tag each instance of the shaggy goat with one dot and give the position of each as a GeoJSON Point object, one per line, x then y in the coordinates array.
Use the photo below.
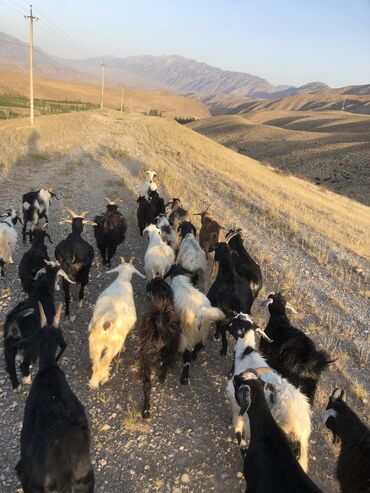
{"type": "Point", "coordinates": [159, 337]}
{"type": "Point", "coordinates": [168, 234]}
{"type": "Point", "coordinates": [158, 202]}
{"type": "Point", "coordinates": [291, 352]}
{"type": "Point", "coordinates": [159, 256]}
{"type": "Point", "coordinates": [34, 259]}
{"type": "Point", "coordinates": [353, 471]}
{"type": "Point", "coordinates": [109, 231]}
{"type": "Point", "coordinates": [230, 292]}
{"type": "Point", "coordinates": [196, 316]}
{"type": "Point", "coordinates": [113, 318]}
{"type": "Point", "coordinates": [178, 214]}
{"type": "Point", "coordinates": [8, 238]}
{"type": "Point", "coordinates": [145, 213]}
{"type": "Point", "coordinates": [35, 206]}
{"type": "Point", "coordinates": [210, 232]}
{"type": "Point", "coordinates": [75, 256]}
{"type": "Point", "coordinates": [244, 264]}
{"type": "Point", "coordinates": [149, 185]}
{"type": "Point", "coordinates": [23, 321]}
{"type": "Point", "coordinates": [55, 437]}
{"type": "Point", "coordinates": [191, 256]}
{"type": "Point", "coordinates": [269, 463]}
{"type": "Point", "coordinates": [288, 405]}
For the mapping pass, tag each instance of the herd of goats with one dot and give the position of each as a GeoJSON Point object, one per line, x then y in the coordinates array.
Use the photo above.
{"type": "Point", "coordinates": [275, 371]}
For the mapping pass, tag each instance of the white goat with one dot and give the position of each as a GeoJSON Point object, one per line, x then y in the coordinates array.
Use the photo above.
{"type": "Point", "coordinates": [8, 238]}
{"type": "Point", "coordinates": [196, 316]}
{"type": "Point", "coordinates": [289, 407]}
{"type": "Point", "coordinates": [168, 234]}
{"type": "Point", "coordinates": [159, 256]}
{"type": "Point", "coordinates": [113, 318]}
{"type": "Point", "coordinates": [193, 258]}
{"type": "Point", "coordinates": [149, 185]}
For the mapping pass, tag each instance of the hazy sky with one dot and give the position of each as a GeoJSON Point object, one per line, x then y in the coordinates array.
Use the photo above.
{"type": "Point", "coordinates": [285, 41]}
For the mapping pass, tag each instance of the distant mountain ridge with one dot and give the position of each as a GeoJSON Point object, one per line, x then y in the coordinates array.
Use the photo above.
{"type": "Point", "coordinates": [173, 72]}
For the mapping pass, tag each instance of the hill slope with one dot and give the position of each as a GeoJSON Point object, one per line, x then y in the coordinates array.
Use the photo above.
{"type": "Point", "coordinates": [310, 243]}
{"type": "Point", "coordinates": [330, 148]}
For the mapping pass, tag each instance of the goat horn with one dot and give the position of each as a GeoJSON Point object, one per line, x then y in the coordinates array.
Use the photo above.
{"type": "Point", "coordinates": [263, 334]}
{"type": "Point", "coordinates": [72, 213]}
{"type": "Point", "coordinates": [197, 214]}
{"type": "Point", "coordinates": [43, 320]}
{"type": "Point", "coordinates": [122, 259]}
{"type": "Point", "coordinates": [56, 320]}
{"type": "Point", "coordinates": [84, 214]}
{"type": "Point", "coordinates": [132, 260]}
{"type": "Point", "coordinates": [110, 201]}
{"type": "Point", "coordinates": [231, 236]}
{"type": "Point", "coordinates": [339, 394]}
{"type": "Point", "coordinates": [208, 208]}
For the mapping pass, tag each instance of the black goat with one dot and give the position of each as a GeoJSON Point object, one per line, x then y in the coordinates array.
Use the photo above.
{"type": "Point", "coordinates": [109, 231]}
{"type": "Point", "coordinates": [353, 466]}
{"type": "Point", "coordinates": [35, 206]}
{"type": "Point", "coordinates": [158, 202]}
{"type": "Point", "coordinates": [159, 337]}
{"type": "Point", "coordinates": [291, 353]}
{"type": "Point", "coordinates": [269, 463]}
{"type": "Point", "coordinates": [229, 292]}
{"type": "Point", "coordinates": [75, 256]}
{"type": "Point", "coordinates": [55, 437]}
{"type": "Point", "coordinates": [23, 321]}
{"type": "Point", "coordinates": [244, 264]}
{"type": "Point", "coordinates": [34, 259]}
{"type": "Point", "coordinates": [145, 213]}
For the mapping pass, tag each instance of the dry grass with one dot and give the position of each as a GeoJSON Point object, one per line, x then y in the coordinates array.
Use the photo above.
{"type": "Point", "coordinates": [132, 420]}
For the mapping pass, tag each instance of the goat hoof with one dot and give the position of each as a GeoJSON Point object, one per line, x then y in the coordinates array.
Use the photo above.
{"type": "Point", "coordinates": [216, 337]}
{"type": "Point", "coordinates": [145, 414]}
{"type": "Point", "coordinates": [243, 450]}
{"type": "Point", "coordinates": [223, 351]}
{"type": "Point", "coordinates": [184, 380]}
{"type": "Point", "coordinates": [18, 388]}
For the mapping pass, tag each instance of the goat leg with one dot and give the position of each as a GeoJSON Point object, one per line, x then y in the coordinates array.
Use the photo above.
{"type": "Point", "coordinates": [185, 371]}
{"type": "Point", "coordinates": [10, 353]}
{"type": "Point", "coordinates": [147, 385]}
{"type": "Point", "coordinates": [223, 350]}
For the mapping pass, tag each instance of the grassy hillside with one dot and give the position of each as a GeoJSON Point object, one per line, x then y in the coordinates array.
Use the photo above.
{"type": "Point", "coordinates": [330, 148]}
{"type": "Point", "coordinates": [311, 243]}
{"type": "Point", "coordinates": [138, 100]}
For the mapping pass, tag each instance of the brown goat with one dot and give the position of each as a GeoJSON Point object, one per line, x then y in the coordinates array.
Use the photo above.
{"type": "Point", "coordinates": [211, 232]}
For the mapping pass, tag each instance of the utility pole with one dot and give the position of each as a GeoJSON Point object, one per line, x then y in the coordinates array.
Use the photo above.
{"type": "Point", "coordinates": [102, 84]}
{"type": "Point", "coordinates": [123, 90]}
{"type": "Point", "coordinates": [31, 18]}
{"type": "Point", "coordinates": [344, 102]}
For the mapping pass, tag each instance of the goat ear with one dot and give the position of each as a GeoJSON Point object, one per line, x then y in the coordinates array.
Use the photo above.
{"type": "Point", "coordinates": [43, 320]}
{"type": "Point", "coordinates": [56, 320]}
{"type": "Point", "coordinates": [122, 259]}
{"type": "Point", "coordinates": [65, 221]}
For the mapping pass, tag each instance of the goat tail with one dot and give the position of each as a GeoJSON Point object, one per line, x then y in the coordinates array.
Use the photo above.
{"type": "Point", "coordinates": [211, 313]}
{"type": "Point", "coordinates": [303, 456]}
{"type": "Point", "coordinates": [26, 206]}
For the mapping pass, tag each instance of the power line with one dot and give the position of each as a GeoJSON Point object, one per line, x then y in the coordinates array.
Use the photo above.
{"type": "Point", "coordinates": [31, 18]}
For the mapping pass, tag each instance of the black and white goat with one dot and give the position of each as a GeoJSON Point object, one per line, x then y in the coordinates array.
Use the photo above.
{"type": "Point", "coordinates": [35, 206]}
{"type": "Point", "coordinates": [75, 256]}
{"type": "Point", "coordinates": [229, 291]}
{"type": "Point", "coordinates": [23, 321]}
{"type": "Point", "coordinates": [196, 316]}
{"type": "Point", "coordinates": [109, 231]}
{"type": "Point", "coordinates": [244, 264]}
{"type": "Point", "coordinates": [353, 466]}
{"type": "Point", "coordinates": [55, 437]}
{"type": "Point", "coordinates": [160, 334]}
{"type": "Point", "coordinates": [190, 255]}
{"type": "Point", "coordinates": [168, 234]}
{"type": "Point", "coordinates": [34, 259]}
{"type": "Point", "coordinates": [288, 405]}
{"type": "Point", "coordinates": [8, 238]}
{"type": "Point", "coordinates": [149, 184]}
{"type": "Point", "coordinates": [178, 214]}
{"type": "Point", "coordinates": [292, 353]}
{"type": "Point", "coordinates": [145, 213]}
{"type": "Point", "coordinates": [269, 463]}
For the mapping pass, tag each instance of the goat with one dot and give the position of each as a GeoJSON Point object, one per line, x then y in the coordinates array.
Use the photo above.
{"type": "Point", "coordinates": [35, 206]}
{"type": "Point", "coordinates": [230, 292]}
{"type": "Point", "coordinates": [244, 264]}
{"type": "Point", "coordinates": [8, 238]}
{"type": "Point", "coordinates": [178, 214]}
{"type": "Point", "coordinates": [113, 318]}
{"type": "Point", "coordinates": [269, 463]}
{"type": "Point", "coordinates": [159, 256]}
{"type": "Point", "coordinates": [196, 316]}
{"type": "Point", "coordinates": [149, 185]}
{"type": "Point", "coordinates": [191, 256]}
{"type": "Point", "coordinates": [160, 333]}
{"type": "Point", "coordinates": [291, 352]}
{"type": "Point", "coordinates": [288, 405]}
{"type": "Point", "coordinates": [353, 471]}
{"type": "Point", "coordinates": [158, 202]}
{"type": "Point", "coordinates": [145, 213]}
{"type": "Point", "coordinates": [211, 232]}
{"type": "Point", "coordinates": [55, 437]}
{"type": "Point", "coordinates": [23, 321]}
{"type": "Point", "coordinates": [34, 259]}
{"type": "Point", "coordinates": [75, 256]}
{"type": "Point", "coordinates": [168, 234]}
{"type": "Point", "coordinates": [109, 231]}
